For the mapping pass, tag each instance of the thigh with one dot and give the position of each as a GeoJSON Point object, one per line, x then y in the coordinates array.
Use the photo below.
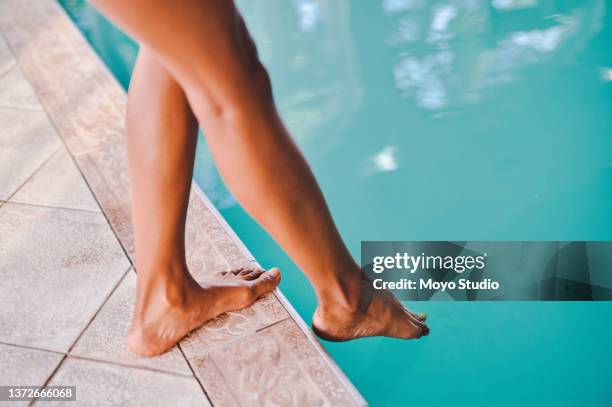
{"type": "Point", "coordinates": [204, 44]}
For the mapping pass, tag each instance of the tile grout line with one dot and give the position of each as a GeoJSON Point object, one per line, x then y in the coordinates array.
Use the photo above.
{"type": "Point", "coordinates": [93, 54]}
{"type": "Point", "coordinates": [21, 108]}
{"type": "Point", "coordinates": [293, 314]}
{"type": "Point", "coordinates": [226, 229]}
{"type": "Point", "coordinates": [110, 294]}
{"type": "Point", "coordinates": [229, 388]}
{"type": "Point", "coordinates": [70, 153]}
{"type": "Point", "coordinates": [45, 161]}
{"type": "Point", "coordinates": [46, 383]}
{"type": "Point", "coordinates": [234, 338]}
{"type": "Point", "coordinates": [54, 207]}
{"type": "Point", "coordinates": [11, 66]}
{"type": "Point", "coordinates": [114, 363]}
{"type": "Point", "coordinates": [68, 150]}
{"type": "Point", "coordinates": [193, 373]}
{"type": "Point", "coordinates": [57, 133]}
{"type": "Point", "coordinates": [273, 324]}
{"type": "Point", "coordinates": [109, 223]}
{"type": "Point", "coordinates": [18, 345]}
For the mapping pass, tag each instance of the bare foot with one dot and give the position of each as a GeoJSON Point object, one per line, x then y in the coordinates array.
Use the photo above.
{"type": "Point", "coordinates": [165, 314]}
{"type": "Point", "coordinates": [378, 314]}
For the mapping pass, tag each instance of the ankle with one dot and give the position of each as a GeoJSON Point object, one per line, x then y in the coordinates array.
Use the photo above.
{"type": "Point", "coordinates": [342, 293]}
{"type": "Point", "coordinates": [168, 287]}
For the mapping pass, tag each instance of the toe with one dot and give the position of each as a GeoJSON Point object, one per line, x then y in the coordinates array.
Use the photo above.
{"type": "Point", "coordinates": [237, 272]}
{"type": "Point", "coordinates": [266, 281]}
{"type": "Point", "coordinates": [413, 330]}
{"type": "Point", "coordinates": [420, 324]}
{"type": "Point", "coordinates": [407, 325]}
{"type": "Point", "coordinates": [421, 316]}
{"type": "Point", "coordinates": [253, 274]}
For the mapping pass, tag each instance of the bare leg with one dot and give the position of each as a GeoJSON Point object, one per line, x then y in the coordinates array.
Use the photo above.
{"type": "Point", "coordinates": [205, 46]}
{"type": "Point", "coordinates": [161, 138]}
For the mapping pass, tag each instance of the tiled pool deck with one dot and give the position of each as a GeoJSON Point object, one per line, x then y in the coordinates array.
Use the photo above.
{"type": "Point", "coordinates": [66, 250]}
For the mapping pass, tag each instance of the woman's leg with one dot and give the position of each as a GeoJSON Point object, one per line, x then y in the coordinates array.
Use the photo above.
{"type": "Point", "coordinates": [206, 47]}
{"type": "Point", "coordinates": [161, 139]}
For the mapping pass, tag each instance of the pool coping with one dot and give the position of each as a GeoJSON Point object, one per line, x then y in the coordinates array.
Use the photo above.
{"type": "Point", "coordinates": [86, 104]}
{"type": "Point", "coordinates": [286, 303]}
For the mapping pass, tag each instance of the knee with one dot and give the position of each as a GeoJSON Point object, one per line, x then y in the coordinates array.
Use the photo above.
{"type": "Point", "coordinates": [241, 93]}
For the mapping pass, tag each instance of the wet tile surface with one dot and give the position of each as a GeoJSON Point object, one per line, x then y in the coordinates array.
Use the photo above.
{"type": "Point", "coordinates": [105, 338]}
{"type": "Point", "coordinates": [102, 384]}
{"type": "Point", "coordinates": [27, 140]}
{"type": "Point", "coordinates": [57, 183]}
{"type": "Point", "coordinates": [58, 266]}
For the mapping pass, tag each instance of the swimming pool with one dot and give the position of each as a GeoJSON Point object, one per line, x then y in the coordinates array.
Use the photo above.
{"type": "Point", "coordinates": [432, 120]}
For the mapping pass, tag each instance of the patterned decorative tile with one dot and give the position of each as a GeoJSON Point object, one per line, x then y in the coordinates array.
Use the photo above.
{"type": "Point", "coordinates": [58, 266]}
{"type": "Point", "coordinates": [209, 247]}
{"type": "Point", "coordinates": [16, 91]}
{"type": "Point", "coordinates": [217, 388]}
{"type": "Point", "coordinates": [107, 175]}
{"type": "Point", "coordinates": [57, 183]}
{"type": "Point", "coordinates": [27, 139]}
{"type": "Point", "coordinates": [26, 367]}
{"type": "Point", "coordinates": [103, 384]}
{"type": "Point", "coordinates": [276, 366]}
{"type": "Point", "coordinates": [266, 311]}
{"type": "Point", "coordinates": [77, 90]}
{"type": "Point", "coordinates": [105, 338]}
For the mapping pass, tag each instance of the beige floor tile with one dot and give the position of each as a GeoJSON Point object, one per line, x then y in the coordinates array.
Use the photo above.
{"type": "Point", "coordinates": [7, 60]}
{"type": "Point", "coordinates": [275, 366]}
{"type": "Point", "coordinates": [25, 367]}
{"type": "Point", "coordinates": [57, 183]}
{"type": "Point", "coordinates": [58, 266]}
{"type": "Point", "coordinates": [27, 139]}
{"type": "Point", "coordinates": [16, 91]}
{"type": "Point", "coordinates": [102, 384]}
{"type": "Point", "coordinates": [105, 338]}
{"type": "Point", "coordinates": [74, 86]}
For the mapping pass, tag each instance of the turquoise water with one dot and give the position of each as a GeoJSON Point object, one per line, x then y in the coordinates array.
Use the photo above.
{"type": "Point", "coordinates": [433, 120]}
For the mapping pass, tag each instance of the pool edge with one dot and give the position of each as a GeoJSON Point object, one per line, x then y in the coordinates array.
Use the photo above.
{"type": "Point", "coordinates": [87, 105]}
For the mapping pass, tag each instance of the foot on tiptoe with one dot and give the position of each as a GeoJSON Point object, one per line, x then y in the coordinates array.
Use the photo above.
{"type": "Point", "coordinates": [378, 313]}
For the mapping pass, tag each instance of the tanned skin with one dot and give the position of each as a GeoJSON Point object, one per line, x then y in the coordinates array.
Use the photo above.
{"type": "Point", "coordinates": [198, 64]}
